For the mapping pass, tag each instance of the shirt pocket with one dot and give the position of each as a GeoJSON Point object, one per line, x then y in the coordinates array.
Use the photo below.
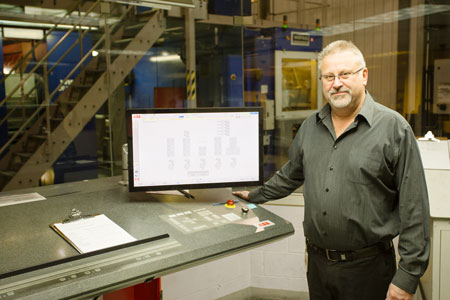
{"type": "Point", "coordinates": [364, 168]}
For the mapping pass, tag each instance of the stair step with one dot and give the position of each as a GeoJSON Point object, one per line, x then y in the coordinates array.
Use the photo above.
{"type": "Point", "coordinates": [8, 173]}
{"type": "Point", "coordinates": [95, 71]}
{"type": "Point", "coordinates": [147, 12]}
{"type": "Point", "coordinates": [135, 26]}
{"type": "Point", "coordinates": [122, 41]}
{"type": "Point", "coordinates": [81, 86]}
{"type": "Point", "coordinates": [69, 102]}
{"type": "Point", "coordinates": [15, 120]}
{"type": "Point", "coordinates": [23, 155]}
{"type": "Point", "coordinates": [38, 136]}
{"type": "Point", "coordinates": [25, 105]}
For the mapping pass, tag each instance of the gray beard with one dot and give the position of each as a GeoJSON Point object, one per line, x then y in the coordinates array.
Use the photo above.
{"type": "Point", "coordinates": [341, 101]}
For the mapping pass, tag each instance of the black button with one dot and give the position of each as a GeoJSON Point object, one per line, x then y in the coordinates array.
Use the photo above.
{"type": "Point", "coordinates": [327, 190]}
{"type": "Point", "coordinates": [324, 213]}
{"type": "Point", "coordinates": [331, 168]}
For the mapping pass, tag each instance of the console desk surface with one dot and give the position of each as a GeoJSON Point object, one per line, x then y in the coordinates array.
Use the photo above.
{"type": "Point", "coordinates": [37, 263]}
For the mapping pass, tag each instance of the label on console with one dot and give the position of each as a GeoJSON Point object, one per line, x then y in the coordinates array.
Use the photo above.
{"type": "Point", "coordinates": [263, 224]}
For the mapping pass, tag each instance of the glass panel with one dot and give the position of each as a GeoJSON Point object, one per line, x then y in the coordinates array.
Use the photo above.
{"type": "Point", "coordinates": [299, 79]}
{"type": "Point", "coordinates": [407, 56]}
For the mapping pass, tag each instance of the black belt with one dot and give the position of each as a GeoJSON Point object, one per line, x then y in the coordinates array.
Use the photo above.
{"type": "Point", "coordinates": [350, 255]}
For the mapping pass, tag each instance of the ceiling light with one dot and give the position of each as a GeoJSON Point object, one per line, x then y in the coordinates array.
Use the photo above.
{"type": "Point", "coordinates": [167, 57]}
{"type": "Point", "coordinates": [43, 25]}
{"type": "Point", "coordinates": [22, 33]}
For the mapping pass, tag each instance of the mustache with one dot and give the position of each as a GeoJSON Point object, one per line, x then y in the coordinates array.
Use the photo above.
{"type": "Point", "coordinates": [334, 91]}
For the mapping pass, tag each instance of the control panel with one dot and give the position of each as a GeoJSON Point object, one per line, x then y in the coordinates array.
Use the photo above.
{"type": "Point", "coordinates": [217, 214]}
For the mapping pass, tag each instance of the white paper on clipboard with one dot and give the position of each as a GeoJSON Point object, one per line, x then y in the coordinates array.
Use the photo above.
{"type": "Point", "coordinates": [93, 233]}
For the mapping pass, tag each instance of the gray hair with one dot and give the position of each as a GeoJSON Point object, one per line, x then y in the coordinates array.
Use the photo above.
{"type": "Point", "coordinates": [340, 46]}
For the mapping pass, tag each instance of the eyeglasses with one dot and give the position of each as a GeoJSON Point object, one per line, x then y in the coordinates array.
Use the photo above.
{"type": "Point", "coordinates": [342, 76]}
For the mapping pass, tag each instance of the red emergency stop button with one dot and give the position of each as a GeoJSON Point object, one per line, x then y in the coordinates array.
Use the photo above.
{"type": "Point", "coordinates": [230, 204]}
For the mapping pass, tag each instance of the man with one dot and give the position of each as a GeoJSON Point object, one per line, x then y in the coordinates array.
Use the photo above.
{"type": "Point", "coordinates": [363, 185]}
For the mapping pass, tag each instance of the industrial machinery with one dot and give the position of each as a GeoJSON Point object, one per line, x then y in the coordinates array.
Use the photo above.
{"type": "Point", "coordinates": [281, 74]}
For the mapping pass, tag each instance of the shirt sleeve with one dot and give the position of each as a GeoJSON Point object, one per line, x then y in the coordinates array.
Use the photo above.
{"type": "Point", "coordinates": [284, 181]}
{"type": "Point", "coordinates": [414, 214]}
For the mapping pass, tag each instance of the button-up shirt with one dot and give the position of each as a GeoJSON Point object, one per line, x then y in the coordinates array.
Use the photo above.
{"type": "Point", "coordinates": [365, 186]}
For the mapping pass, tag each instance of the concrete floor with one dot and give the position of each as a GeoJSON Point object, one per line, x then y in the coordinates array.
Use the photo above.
{"type": "Point", "coordinates": [266, 294]}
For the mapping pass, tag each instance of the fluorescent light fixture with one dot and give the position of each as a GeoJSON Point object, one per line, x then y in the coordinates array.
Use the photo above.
{"type": "Point", "coordinates": [76, 27]}
{"type": "Point", "coordinates": [42, 25]}
{"type": "Point", "coordinates": [46, 13]}
{"type": "Point", "coordinates": [38, 11]}
{"type": "Point", "coordinates": [167, 57]}
{"type": "Point", "coordinates": [22, 33]}
{"type": "Point", "coordinates": [94, 53]}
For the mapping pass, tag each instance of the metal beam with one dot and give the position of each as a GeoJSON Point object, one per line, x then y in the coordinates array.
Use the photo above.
{"type": "Point", "coordinates": [165, 4]}
{"type": "Point", "coordinates": [191, 84]}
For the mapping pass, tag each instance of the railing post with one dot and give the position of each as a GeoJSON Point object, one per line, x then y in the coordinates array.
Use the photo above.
{"type": "Point", "coordinates": [108, 84]}
{"type": "Point", "coordinates": [22, 95]}
{"type": "Point", "coordinates": [48, 129]}
{"type": "Point", "coordinates": [80, 36]}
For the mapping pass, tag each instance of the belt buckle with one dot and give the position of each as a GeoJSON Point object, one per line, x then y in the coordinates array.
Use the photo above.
{"type": "Point", "coordinates": [343, 257]}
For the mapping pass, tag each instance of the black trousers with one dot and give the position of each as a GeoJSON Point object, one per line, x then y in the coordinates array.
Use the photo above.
{"type": "Point", "coordinates": [365, 278]}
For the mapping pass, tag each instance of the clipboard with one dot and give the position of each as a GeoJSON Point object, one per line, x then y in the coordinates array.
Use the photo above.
{"type": "Point", "coordinates": [87, 233]}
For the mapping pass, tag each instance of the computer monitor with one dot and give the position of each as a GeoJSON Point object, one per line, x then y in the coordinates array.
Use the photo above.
{"type": "Point", "coordinates": [176, 149]}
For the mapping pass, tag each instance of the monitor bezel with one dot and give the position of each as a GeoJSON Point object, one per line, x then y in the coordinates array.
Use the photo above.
{"type": "Point", "coordinates": [130, 112]}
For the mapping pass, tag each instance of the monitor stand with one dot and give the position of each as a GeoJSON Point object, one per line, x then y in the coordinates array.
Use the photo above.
{"type": "Point", "coordinates": [187, 194]}
{"type": "Point", "coordinates": [174, 192]}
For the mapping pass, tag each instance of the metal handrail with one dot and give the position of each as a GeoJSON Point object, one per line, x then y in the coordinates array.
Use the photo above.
{"type": "Point", "coordinates": [46, 102]}
{"type": "Point", "coordinates": [48, 71]}
{"type": "Point", "coordinates": [44, 59]}
{"type": "Point", "coordinates": [20, 62]}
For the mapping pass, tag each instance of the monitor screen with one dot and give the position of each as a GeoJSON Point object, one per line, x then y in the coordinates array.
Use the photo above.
{"type": "Point", "coordinates": [173, 149]}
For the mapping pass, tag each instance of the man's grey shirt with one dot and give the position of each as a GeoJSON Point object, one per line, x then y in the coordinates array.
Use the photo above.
{"type": "Point", "coordinates": [366, 186]}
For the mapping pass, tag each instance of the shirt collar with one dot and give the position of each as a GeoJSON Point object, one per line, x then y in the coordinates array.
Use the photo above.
{"type": "Point", "coordinates": [366, 111]}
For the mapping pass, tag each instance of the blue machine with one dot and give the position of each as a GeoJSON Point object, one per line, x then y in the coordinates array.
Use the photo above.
{"type": "Point", "coordinates": [294, 39]}
{"type": "Point", "coordinates": [70, 61]}
{"type": "Point", "coordinates": [260, 48]}
{"type": "Point", "coordinates": [219, 76]}
{"type": "Point", "coordinates": [232, 81]}
{"type": "Point", "coordinates": [263, 75]}
{"type": "Point", "coordinates": [161, 67]}
{"type": "Point", "coordinates": [219, 81]}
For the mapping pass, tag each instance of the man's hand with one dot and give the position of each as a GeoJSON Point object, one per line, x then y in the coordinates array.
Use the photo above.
{"type": "Point", "coordinates": [242, 194]}
{"type": "Point", "coordinates": [396, 293]}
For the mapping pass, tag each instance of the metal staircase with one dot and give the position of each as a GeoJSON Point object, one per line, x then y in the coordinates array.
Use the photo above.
{"type": "Point", "coordinates": [44, 136]}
